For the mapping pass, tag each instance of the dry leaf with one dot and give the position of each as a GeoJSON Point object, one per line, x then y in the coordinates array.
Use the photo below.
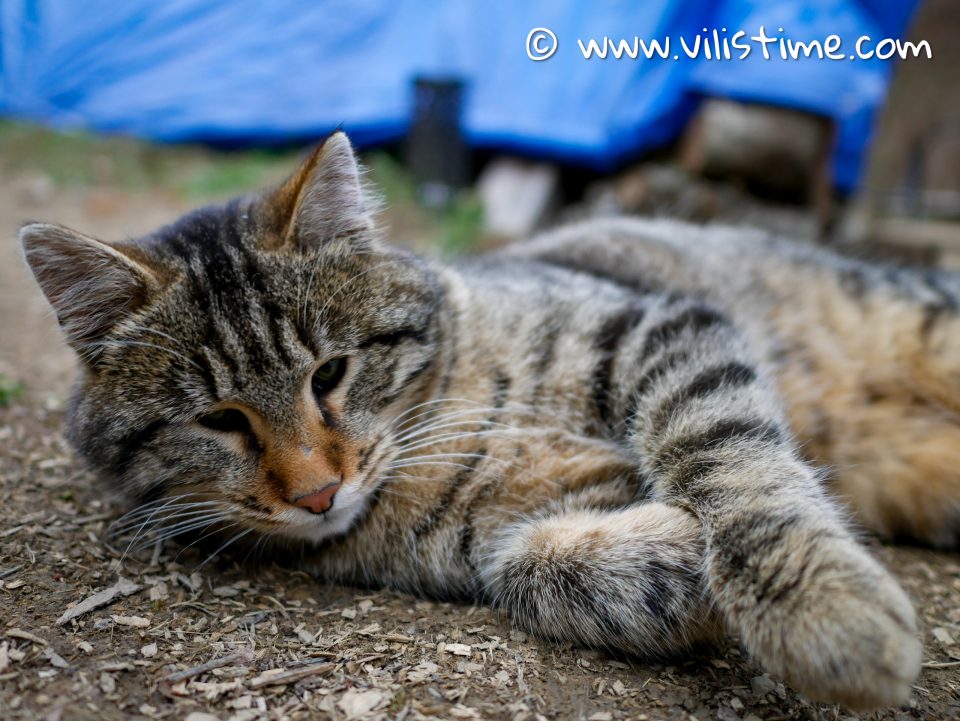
{"type": "Point", "coordinates": [943, 636]}
{"type": "Point", "coordinates": [356, 703]}
{"type": "Point", "coordinates": [121, 588]}
{"type": "Point", "coordinates": [422, 672]}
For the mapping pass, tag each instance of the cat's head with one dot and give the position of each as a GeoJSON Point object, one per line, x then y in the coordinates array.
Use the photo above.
{"type": "Point", "coordinates": [249, 362]}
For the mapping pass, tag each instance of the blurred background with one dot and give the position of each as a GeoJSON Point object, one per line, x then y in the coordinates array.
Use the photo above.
{"type": "Point", "coordinates": [116, 117]}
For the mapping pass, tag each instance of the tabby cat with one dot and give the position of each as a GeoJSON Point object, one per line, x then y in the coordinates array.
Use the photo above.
{"type": "Point", "coordinates": [613, 432]}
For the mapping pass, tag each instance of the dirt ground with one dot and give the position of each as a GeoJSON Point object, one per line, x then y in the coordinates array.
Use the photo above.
{"type": "Point", "coordinates": [248, 640]}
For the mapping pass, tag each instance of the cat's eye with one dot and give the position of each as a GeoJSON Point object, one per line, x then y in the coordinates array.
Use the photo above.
{"type": "Point", "coordinates": [226, 420]}
{"type": "Point", "coordinates": [326, 377]}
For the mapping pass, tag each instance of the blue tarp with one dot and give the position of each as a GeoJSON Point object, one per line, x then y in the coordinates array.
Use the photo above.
{"type": "Point", "coordinates": [260, 72]}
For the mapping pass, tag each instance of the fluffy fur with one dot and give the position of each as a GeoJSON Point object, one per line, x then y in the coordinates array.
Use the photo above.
{"type": "Point", "coordinates": [611, 431]}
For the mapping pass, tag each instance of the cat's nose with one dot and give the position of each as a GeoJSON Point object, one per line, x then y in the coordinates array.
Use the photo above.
{"type": "Point", "coordinates": [318, 501]}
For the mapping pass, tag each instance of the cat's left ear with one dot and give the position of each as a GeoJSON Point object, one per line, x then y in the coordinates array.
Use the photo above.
{"type": "Point", "coordinates": [91, 285]}
{"type": "Point", "coordinates": [324, 200]}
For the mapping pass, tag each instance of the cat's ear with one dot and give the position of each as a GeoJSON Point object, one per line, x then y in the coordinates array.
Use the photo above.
{"type": "Point", "coordinates": [324, 200]}
{"type": "Point", "coordinates": [91, 285]}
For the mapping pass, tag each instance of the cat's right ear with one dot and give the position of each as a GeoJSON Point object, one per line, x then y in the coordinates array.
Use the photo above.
{"type": "Point", "coordinates": [91, 285]}
{"type": "Point", "coordinates": [324, 200]}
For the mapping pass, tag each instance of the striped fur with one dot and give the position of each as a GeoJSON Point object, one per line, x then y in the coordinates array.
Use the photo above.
{"type": "Point", "coordinates": [611, 431]}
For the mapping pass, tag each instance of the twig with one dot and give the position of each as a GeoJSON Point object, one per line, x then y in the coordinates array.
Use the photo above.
{"type": "Point", "coordinates": [940, 664]}
{"type": "Point", "coordinates": [244, 656]}
{"type": "Point", "coordinates": [26, 636]}
{"type": "Point", "coordinates": [10, 571]}
{"type": "Point", "coordinates": [278, 677]}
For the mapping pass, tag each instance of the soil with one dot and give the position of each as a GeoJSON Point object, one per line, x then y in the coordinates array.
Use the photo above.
{"type": "Point", "coordinates": [250, 640]}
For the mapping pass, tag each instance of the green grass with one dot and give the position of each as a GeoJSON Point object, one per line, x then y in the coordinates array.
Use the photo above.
{"type": "Point", "coordinates": [200, 174]}
{"type": "Point", "coordinates": [10, 390]}
{"type": "Point", "coordinates": [450, 231]}
{"type": "Point", "coordinates": [81, 159]}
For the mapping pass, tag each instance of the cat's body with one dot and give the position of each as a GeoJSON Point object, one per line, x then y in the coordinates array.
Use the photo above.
{"type": "Point", "coordinates": [586, 430]}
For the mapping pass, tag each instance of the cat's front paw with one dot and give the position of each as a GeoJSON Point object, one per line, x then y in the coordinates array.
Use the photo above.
{"type": "Point", "coordinates": [842, 632]}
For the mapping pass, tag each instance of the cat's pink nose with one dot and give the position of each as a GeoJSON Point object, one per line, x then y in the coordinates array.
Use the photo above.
{"type": "Point", "coordinates": [320, 501]}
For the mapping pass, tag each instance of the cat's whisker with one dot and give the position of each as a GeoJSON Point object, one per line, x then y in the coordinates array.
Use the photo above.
{"type": "Point", "coordinates": [229, 542]}
{"type": "Point", "coordinates": [431, 402]}
{"type": "Point", "coordinates": [167, 533]}
{"type": "Point", "coordinates": [449, 438]}
{"type": "Point", "coordinates": [134, 517]}
{"type": "Point", "coordinates": [145, 524]}
{"type": "Point", "coordinates": [125, 525]}
{"type": "Point", "coordinates": [431, 463]}
{"type": "Point", "coordinates": [159, 522]}
{"type": "Point", "coordinates": [433, 422]}
{"type": "Point", "coordinates": [452, 424]}
{"type": "Point", "coordinates": [218, 529]}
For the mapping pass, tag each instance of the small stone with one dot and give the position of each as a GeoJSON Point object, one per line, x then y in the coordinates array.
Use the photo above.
{"type": "Point", "coordinates": [736, 704]}
{"type": "Point", "coordinates": [725, 713]}
{"type": "Point", "coordinates": [107, 683]}
{"type": "Point", "coordinates": [159, 592]}
{"type": "Point", "coordinates": [201, 716]}
{"type": "Point", "coordinates": [149, 651]}
{"type": "Point", "coordinates": [349, 613]}
{"type": "Point", "coordinates": [762, 685]}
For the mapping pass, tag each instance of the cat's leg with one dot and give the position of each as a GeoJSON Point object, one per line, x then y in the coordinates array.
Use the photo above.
{"type": "Point", "coordinates": [809, 603]}
{"type": "Point", "coordinates": [627, 579]}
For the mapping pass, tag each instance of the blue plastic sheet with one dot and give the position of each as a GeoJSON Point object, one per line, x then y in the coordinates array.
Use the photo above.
{"type": "Point", "coordinates": [262, 72]}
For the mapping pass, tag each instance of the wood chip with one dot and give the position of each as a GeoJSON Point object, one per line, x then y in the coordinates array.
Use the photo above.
{"type": "Point", "coordinates": [55, 658]}
{"type": "Point", "coordinates": [458, 649]}
{"type": "Point", "coordinates": [282, 677]}
{"type": "Point", "coordinates": [131, 621]}
{"type": "Point", "coordinates": [149, 651]}
{"type": "Point", "coordinates": [201, 716]}
{"type": "Point", "coordinates": [120, 589]}
{"type": "Point", "coordinates": [25, 635]}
